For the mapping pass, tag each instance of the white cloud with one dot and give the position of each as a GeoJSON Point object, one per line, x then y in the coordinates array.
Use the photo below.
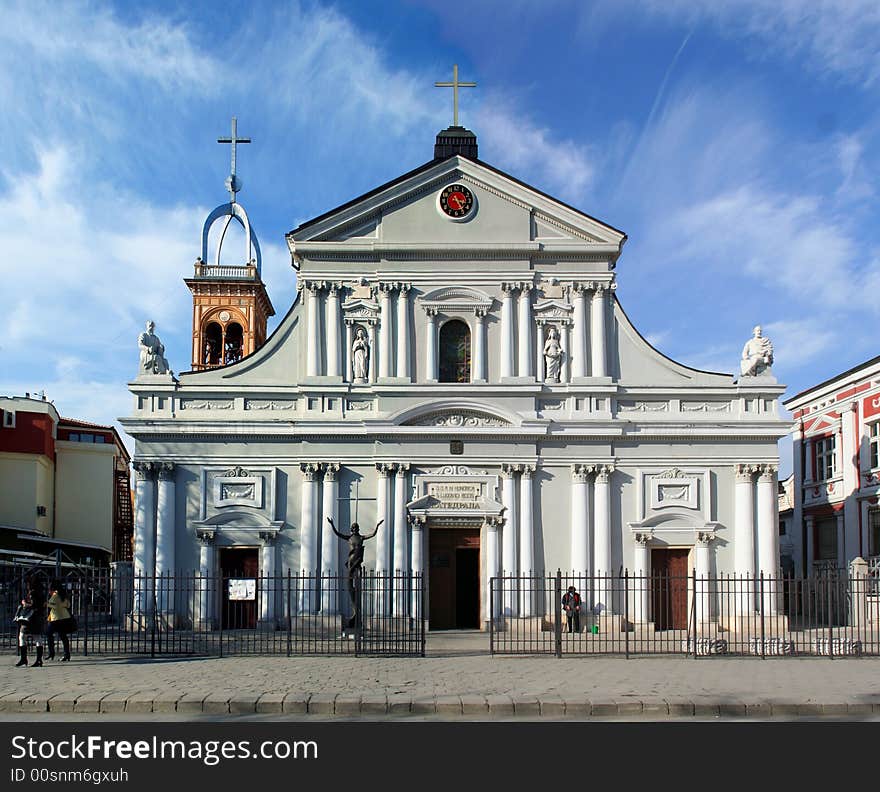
{"type": "Point", "coordinates": [557, 166]}
{"type": "Point", "coordinates": [87, 34]}
{"type": "Point", "coordinates": [836, 36]}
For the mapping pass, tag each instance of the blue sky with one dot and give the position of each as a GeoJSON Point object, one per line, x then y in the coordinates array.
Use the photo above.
{"type": "Point", "coordinates": [736, 142]}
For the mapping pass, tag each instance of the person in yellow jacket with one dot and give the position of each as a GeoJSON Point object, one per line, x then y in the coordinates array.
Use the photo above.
{"type": "Point", "coordinates": [60, 620]}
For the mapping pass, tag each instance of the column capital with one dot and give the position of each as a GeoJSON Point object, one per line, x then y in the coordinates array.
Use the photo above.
{"type": "Point", "coordinates": [507, 288]}
{"type": "Point", "coordinates": [331, 469]}
{"type": "Point", "coordinates": [314, 286]}
{"type": "Point", "coordinates": [401, 469]}
{"type": "Point", "coordinates": [580, 288]}
{"type": "Point", "coordinates": [385, 469]}
{"type": "Point", "coordinates": [335, 287]}
{"type": "Point", "coordinates": [144, 471]}
{"type": "Point", "coordinates": [528, 471]}
{"type": "Point", "coordinates": [166, 471]}
{"type": "Point", "coordinates": [206, 536]}
{"type": "Point", "coordinates": [582, 473]}
{"type": "Point", "coordinates": [745, 472]}
{"type": "Point", "coordinates": [310, 470]}
{"type": "Point", "coordinates": [385, 288]}
{"type": "Point", "coordinates": [525, 288]}
{"type": "Point", "coordinates": [603, 473]}
{"type": "Point", "coordinates": [417, 520]}
{"type": "Point", "coordinates": [508, 471]}
{"type": "Point", "coordinates": [430, 311]}
{"type": "Point", "coordinates": [642, 538]}
{"type": "Point", "coordinates": [767, 473]}
{"type": "Point", "coordinates": [705, 538]}
{"type": "Point", "coordinates": [480, 313]}
{"type": "Point", "coordinates": [403, 288]}
{"type": "Point", "coordinates": [493, 521]}
{"type": "Point", "coordinates": [268, 537]}
{"type": "Point", "coordinates": [599, 288]}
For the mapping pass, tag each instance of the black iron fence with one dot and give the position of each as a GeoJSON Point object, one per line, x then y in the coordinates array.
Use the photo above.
{"type": "Point", "coordinates": [832, 615]}
{"type": "Point", "coordinates": [193, 614]}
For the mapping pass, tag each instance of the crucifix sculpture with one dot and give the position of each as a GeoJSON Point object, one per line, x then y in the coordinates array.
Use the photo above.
{"type": "Point", "coordinates": [455, 85]}
{"type": "Point", "coordinates": [355, 561]}
{"type": "Point", "coordinates": [233, 183]}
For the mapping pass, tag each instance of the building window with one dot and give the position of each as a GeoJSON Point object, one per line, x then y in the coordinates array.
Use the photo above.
{"type": "Point", "coordinates": [213, 345]}
{"type": "Point", "coordinates": [455, 352]}
{"type": "Point", "coordinates": [234, 344]}
{"type": "Point", "coordinates": [73, 437]}
{"type": "Point", "coordinates": [825, 450]}
{"type": "Point", "coordinates": [874, 537]}
{"type": "Point", "coordinates": [8, 419]}
{"type": "Point", "coordinates": [826, 540]}
{"type": "Point", "coordinates": [874, 439]}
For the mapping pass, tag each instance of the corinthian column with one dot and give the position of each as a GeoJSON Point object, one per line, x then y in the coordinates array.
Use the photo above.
{"type": "Point", "coordinates": [598, 311]}
{"type": "Point", "coordinates": [329, 542]}
{"type": "Point", "coordinates": [508, 537]}
{"type": "Point", "coordinates": [383, 538]}
{"type": "Point", "coordinates": [602, 556]}
{"type": "Point", "coordinates": [207, 592]}
{"type": "Point", "coordinates": [333, 351]}
{"type": "Point", "coordinates": [418, 563]}
{"type": "Point", "coordinates": [268, 578]}
{"type": "Point", "coordinates": [401, 548]}
{"type": "Point", "coordinates": [525, 330]}
{"type": "Point", "coordinates": [165, 539]}
{"type": "Point", "coordinates": [579, 340]}
{"type": "Point", "coordinates": [431, 344]}
{"type": "Point", "coordinates": [744, 537]}
{"type": "Point", "coordinates": [479, 345]}
{"type": "Point", "coordinates": [144, 541]}
{"type": "Point", "coordinates": [403, 330]}
{"type": "Point", "coordinates": [507, 329]}
{"type": "Point", "coordinates": [580, 510]}
{"type": "Point", "coordinates": [313, 335]}
{"type": "Point", "coordinates": [308, 551]}
{"type": "Point", "coordinates": [385, 329]}
{"type": "Point", "coordinates": [702, 574]}
{"type": "Point", "coordinates": [768, 534]}
{"type": "Point", "coordinates": [492, 604]}
{"type": "Point", "coordinates": [641, 568]}
{"type": "Point", "coordinates": [526, 540]}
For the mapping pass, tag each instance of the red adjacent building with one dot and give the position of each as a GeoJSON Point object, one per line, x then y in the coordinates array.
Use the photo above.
{"type": "Point", "coordinates": [836, 470]}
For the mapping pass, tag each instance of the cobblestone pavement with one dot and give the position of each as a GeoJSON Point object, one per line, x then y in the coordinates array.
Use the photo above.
{"type": "Point", "coordinates": [457, 679]}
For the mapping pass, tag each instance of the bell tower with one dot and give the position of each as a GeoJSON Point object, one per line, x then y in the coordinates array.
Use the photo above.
{"type": "Point", "coordinates": [230, 303]}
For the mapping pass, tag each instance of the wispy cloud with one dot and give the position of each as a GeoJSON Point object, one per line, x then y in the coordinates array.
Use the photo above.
{"type": "Point", "coordinates": [838, 37]}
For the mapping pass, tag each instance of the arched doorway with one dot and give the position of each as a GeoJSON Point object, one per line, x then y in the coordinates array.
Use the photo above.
{"type": "Point", "coordinates": [455, 352]}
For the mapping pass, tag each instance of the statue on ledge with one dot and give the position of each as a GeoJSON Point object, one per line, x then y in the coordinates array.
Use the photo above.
{"type": "Point", "coordinates": [360, 354]}
{"type": "Point", "coordinates": [553, 355]}
{"type": "Point", "coordinates": [152, 352]}
{"type": "Point", "coordinates": [757, 355]}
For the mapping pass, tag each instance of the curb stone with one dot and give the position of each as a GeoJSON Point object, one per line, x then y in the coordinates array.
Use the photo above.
{"type": "Point", "coordinates": [270, 704]}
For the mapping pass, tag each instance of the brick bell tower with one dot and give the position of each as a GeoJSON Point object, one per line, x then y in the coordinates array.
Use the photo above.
{"type": "Point", "coordinates": [230, 303]}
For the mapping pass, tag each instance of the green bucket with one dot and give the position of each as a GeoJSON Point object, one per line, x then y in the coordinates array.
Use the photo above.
{"type": "Point", "coordinates": [594, 629]}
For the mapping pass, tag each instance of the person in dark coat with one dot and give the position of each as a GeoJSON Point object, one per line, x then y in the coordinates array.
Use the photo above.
{"type": "Point", "coordinates": [33, 627]}
{"type": "Point", "coordinates": [571, 604]}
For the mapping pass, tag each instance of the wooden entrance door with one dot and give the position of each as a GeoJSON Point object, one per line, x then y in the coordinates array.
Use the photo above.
{"type": "Point", "coordinates": [454, 578]}
{"type": "Point", "coordinates": [669, 580]}
{"type": "Point", "coordinates": [239, 567]}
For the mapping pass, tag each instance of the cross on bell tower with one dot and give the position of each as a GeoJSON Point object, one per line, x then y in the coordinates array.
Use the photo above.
{"type": "Point", "coordinates": [230, 303]}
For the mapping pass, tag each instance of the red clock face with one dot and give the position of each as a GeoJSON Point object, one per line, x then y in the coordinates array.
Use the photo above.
{"type": "Point", "coordinates": [456, 200]}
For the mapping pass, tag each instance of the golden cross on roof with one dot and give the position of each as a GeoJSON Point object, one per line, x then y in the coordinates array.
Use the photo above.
{"type": "Point", "coordinates": [455, 85]}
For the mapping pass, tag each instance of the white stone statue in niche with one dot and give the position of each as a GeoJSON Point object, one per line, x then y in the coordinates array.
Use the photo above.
{"type": "Point", "coordinates": [553, 355]}
{"type": "Point", "coordinates": [152, 352]}
{"type": "Point", "coordinates": [757, 355]}
{"type": "Point", "coordinates": [360, 356]}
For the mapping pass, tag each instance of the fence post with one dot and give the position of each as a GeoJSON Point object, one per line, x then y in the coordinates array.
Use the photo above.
{"type": "Point", "coordinates": [289, 615]}
{"type": "Point", "coordinates": [761, 600]}
{"type": "Point", "coordinates": [828, 580]}
{"type": "Point", "coordinates": [218, 575]}
{"type": "Point", "coordinates": [557, 620]}
{"type": "Point", "coordinates": [694, 612]}
{"type": "Point", "coordinates": [626, 610]}
{"type": "Point", "coordinates": [86, 612]}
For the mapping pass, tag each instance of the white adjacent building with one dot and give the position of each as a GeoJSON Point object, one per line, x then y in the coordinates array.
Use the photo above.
{"type": "Point", "coordinates": [456, 364]}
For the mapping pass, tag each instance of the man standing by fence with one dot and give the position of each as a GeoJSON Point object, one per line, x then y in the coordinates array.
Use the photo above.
{"type": "Point", "coordinates": [571, 604]}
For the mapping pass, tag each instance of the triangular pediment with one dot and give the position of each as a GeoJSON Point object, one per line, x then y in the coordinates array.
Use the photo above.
{"type": "Point", "coordinates": [406, 212]}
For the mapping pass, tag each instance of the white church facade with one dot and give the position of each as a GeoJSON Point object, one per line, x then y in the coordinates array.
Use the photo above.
{"type": "Point", "coordinates": [456, 364]}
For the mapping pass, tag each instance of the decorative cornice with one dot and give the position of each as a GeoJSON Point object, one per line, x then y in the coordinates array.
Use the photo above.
{"type": "Point", "coordinates": [458, 419]}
